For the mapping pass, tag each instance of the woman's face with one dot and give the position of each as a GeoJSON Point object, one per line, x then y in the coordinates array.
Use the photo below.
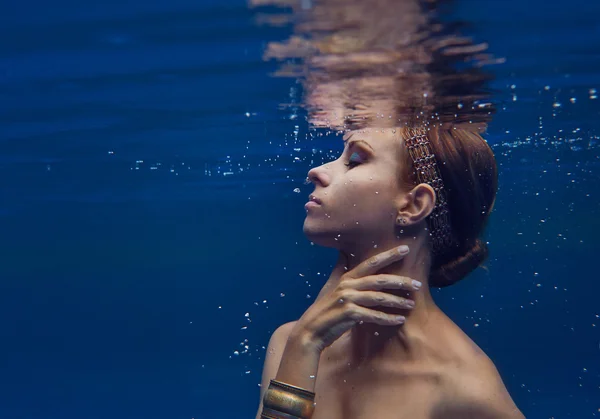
{"type": "Point", "coordinates": [359, 193]}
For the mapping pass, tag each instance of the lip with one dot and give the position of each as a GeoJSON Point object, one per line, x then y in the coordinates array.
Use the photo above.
{"type": "Point", "coordinates": [313, 198]}
{"type": "Point", "coordinates": [311, 204]}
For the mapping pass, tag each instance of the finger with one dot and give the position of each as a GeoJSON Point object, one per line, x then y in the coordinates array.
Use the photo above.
{"type": "Point", "coordinates": [374, 299]}
{"type": "Point", "coordinates": [361, 314]}
{"type": "Point", "coordinates": [377, 262]}
{"type": "Point", "coordinates": [381, 282]}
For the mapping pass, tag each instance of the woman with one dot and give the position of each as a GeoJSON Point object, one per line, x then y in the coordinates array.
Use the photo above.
{"type": "Point", "coordinates": [374, 344]}
{"type": "Point", "coordinates": [407, 200]}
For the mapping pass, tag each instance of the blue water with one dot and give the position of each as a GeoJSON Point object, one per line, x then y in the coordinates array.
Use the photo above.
{"type": "Point", "coordinates": [149, 226]}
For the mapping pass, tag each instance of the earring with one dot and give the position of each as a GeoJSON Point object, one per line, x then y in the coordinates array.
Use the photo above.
{"type": "Point", "coordinates": [401, 220]}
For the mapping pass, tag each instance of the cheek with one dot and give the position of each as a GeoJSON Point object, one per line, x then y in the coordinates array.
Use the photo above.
{"type": "Point", "coordinates": [369, 200]}
{"type": "Point", "coordinates": [374, 190]}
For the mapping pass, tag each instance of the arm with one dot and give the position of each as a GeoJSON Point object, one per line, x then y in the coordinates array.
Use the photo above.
{"type": "Point", "coordinates": [286, 367]}
{"type": "Point", "coordinates": [295, 348]}
{"type": "Point", "coordinates": [273, 358]}
{"type": "Point", "coordinates": [289, 359]}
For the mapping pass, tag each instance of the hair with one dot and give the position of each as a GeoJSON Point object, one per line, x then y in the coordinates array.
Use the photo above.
{"type": "Point", "coordinates": [470, 175]}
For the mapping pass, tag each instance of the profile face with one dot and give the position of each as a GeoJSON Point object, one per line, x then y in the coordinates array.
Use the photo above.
{"type": "Point", "coordinates": [356, 195]}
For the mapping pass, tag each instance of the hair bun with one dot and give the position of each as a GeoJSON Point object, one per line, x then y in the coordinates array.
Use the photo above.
{"type": "Point", "coordinates": [459, 267]}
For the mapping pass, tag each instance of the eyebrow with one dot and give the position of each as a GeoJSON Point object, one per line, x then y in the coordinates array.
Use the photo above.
{"type": "Point", "coordinates": [357, 141]}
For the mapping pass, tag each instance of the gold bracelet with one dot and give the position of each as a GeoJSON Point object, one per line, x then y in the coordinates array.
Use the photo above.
{"type": "Point", "coordinates": [274, 414]}
{"type": "Point", "coordinates": [288, 401]}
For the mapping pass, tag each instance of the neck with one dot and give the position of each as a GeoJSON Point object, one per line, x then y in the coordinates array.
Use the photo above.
{"type": "Point", "coordinates": [366, 341]}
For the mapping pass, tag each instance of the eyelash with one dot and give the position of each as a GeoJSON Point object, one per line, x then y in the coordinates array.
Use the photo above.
{"type": "Point", "coordinates": [351, 163]}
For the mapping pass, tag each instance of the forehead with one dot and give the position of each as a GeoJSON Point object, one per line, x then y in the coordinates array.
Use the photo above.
{"type": "Point", "coordinates": [379, 139]}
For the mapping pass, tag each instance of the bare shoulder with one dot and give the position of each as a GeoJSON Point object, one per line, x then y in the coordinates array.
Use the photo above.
{"type": "Point", "coordinates": [273, 356]}
{"type": "Point", "coordinates": [476, 389]}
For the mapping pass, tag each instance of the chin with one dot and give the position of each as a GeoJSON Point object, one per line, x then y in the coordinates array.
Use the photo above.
{"type": "Point", "coordinates": [320, 236]}
{"type": "Point", "coordinates": [339, 239]}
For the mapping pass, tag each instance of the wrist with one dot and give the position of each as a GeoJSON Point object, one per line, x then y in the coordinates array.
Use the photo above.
{"type": "Point", "coordinates": [300, 362]}
{"type": "Point", "coordinates": [302, 341]}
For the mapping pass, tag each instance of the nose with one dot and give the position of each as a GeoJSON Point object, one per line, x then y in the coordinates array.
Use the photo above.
{"type": "Point", "coordinates": [317, 175]}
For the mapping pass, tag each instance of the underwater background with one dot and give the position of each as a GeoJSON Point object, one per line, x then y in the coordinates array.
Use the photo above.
{"type": "Point", "coordinates": [151, 207]}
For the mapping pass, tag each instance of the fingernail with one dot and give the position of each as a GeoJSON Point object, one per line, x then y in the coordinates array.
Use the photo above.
{"type": "Point", "coordinates": [416, 284]}
{"type": "Point", "coordinates": [400, 318]}
{"type": "Point", "coordinates": [410, 304]}
{"type": "Point", "coordinates": [403, 249]}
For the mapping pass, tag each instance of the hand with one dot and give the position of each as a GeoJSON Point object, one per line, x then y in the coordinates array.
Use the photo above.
{"type": "Point", "coordinates": [349, 303]}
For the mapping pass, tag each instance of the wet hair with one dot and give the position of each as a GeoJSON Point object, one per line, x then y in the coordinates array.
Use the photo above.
{"type": "Point", "coordinates": [470, 175]}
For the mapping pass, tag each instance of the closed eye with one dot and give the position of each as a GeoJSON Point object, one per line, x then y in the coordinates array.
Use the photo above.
{"type": "Point", "coordinates": [352, 163]}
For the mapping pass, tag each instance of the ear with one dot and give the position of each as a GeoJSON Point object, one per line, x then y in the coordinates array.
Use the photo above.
{"type": "Point", "coordinates": [417, 204]}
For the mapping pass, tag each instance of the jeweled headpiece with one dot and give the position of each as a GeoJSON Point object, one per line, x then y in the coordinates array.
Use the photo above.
{"type": "Point", "coordinates": [427, 171]}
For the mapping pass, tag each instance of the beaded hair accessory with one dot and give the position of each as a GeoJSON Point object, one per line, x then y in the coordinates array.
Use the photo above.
{"type": "Point", "coordinates": [427, 171]}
